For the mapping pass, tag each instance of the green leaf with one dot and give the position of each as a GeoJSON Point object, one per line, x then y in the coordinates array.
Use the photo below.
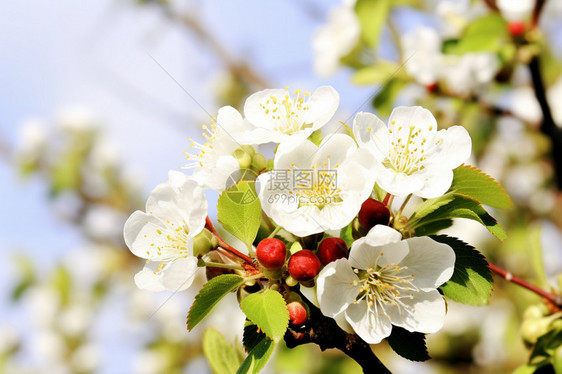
{"type": "Point", "coordinates": [375, 74]}
{"type": "Point", "coordinates": [532, 368]}
{"type": "Point", "coordinates": [410, 345]}
{"type": "Point", "coordinates": [472, 182]}
{"type": "Point", "coordinates": [431, 205]}
{"type": "Point", "coordinates": [346, 234]}
{"type": "Point", "coordinates": [269, 311]}
{"type": "Point", "coordinates": [462, 207]}
{"type": "Point", "coordinates": [472, 281]}
{"type": "Point", "coordinates": [211, 293]}
{"type": "Point", "coordinates": [219, 354]}
{"type": "Point", "coordinates": [258, 357]}
{"type": "Point", "coordinates": [239, 211]}
{"type": "Point", "coordinates": [252, 335]}
{"type": "Point", "coordinates": [487, 33]}
{"type": "Point", "coordinates": [548, 343]}
{"type": "Point", "coordinates": [372, 14]}
{"type": "Point", "coordinates": [316, 137]}
{"type": "Point", "coordinates": [434, 227]}
{"type": "Point", "coordinates": [384, 100]}
{"type": "Point", "coordinates": [379, 193]}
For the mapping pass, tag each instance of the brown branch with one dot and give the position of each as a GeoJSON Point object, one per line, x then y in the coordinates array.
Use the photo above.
{"type": "Point", "coordinates": [539, 5]}
{"type": "Point", "coordinates": [492, 5]}
{"type": "Point", "coordinates": [326, 333]}
{"type": "Point", "coordinates": [239, 69]}
{"type": "Point", "coordinates": [548, 126]}
{"type": "Point", "coordinates": [554, 299]}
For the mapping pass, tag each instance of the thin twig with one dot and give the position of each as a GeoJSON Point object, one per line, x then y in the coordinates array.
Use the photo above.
{"type": "Point", "coordinates": [225, 245]}
{"type": "Point", "coordinates": [554, 299]}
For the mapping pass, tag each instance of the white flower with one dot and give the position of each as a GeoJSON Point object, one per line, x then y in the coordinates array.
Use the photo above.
{"type": "Point", "coordinates": [335, 39]}
{"type": "Point", "coordinates": [214, 162]}
{"type": "Point", "coordinates": [469, 72]}
{"type": "Point", "coordinates": [516, 10]}
{"type": "Point", "coordinates": [412, 156]}
{"type": "Point", "coordinates": [385, 282]}
{"type": "Point", "coordinates": [175, 213]}
{"type": "Point", "coordinates": [422, 48]}
{"type": "Point", "coordinates": [274, 116]}
{"type": "Point", "coordinates": [316, 188]}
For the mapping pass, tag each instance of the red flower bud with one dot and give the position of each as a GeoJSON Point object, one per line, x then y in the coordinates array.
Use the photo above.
{"type": "Point", "coordinates": [304, 265]}
{"type": "Point", "coordinates": [373, 213]}
{"type": "Point", "coordinates": [516, 28]}
{"type": "Point", "coordinates": [297, 313]}
{"type": "Point", "coordinates": [331, 249]}
{"type": "Point", "coordinates": [271, 253]}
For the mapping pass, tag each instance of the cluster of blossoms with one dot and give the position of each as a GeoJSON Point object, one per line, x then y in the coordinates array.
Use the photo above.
{"type": "Point", "coordinates": [311, 191]}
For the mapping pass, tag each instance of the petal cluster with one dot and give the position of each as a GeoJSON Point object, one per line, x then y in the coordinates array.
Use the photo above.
{"type": "Point", "coordinates": [163, 235]}
{"type": "Point", "coordinates": [412, 156]}
{"type": "Point", "coordinates": [387, 281]}
{"type": "Point", "coordinates": [316, 188]}
{"type": "Point", "coordinates": [274, 115]}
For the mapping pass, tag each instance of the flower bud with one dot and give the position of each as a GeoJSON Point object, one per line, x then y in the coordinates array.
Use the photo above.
{"type": "Point", "coordinates": [258, 162]}
{"type": "Point", "coordinates": [297, 313]}
{"type": "Point", "coordinates": [243, 158]}
{"type": "Point", "coordinates": [516, 28]}
{"type": "Point", "coordinates": [204, 242]}
{"type": "Point", "coordinates": [249, 150]}
{"type": "Point", "coordinates": [304, 265]}
{"type": "Point", "coordinates": [373, 213]}
{"type": "Point", "coordinates": [271, 253]}
{"type": "Point", "coordinates": [331, 249]}
{"type": "Point", "coordinates": [533, 328]}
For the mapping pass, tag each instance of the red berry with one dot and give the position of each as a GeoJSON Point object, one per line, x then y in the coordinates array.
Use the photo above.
{"type": "Point", "coordinates": [431, 87]}
{"type": "Point", "coordinates": [516, 28]}
{"type": "Point", "coordinates": [304, 265]}
{"type": "Point", "coordinates": [373, 213]}
{"type": "Point", "coordinates": [297, 313]}
{"type": "Point", "coordinates": [331, 249]}
{"type": "Point", "coordinates": [271, 253]}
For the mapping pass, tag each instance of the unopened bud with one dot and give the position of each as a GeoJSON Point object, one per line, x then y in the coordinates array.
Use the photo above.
{"type": "Point", "coordinates": [258, 162]}
{"type": "Point", "coordinates": [297, 313]}
{"type": "Point", "coordinates": [249, 150]}
{"type": "Point", "coordinates": [243, 158]}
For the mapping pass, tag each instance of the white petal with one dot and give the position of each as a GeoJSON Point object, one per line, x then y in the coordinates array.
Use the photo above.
{"type": "Point", "coordinates": [254, 112]}
{"type": "Point", "coordinates": [131, 230]}
{"type": "Point", "coordinates": [372, 133]}
{"type": "Point", "coordinates": [178, 275]}
{"type": "Point", "coordinates": [431, 262]}
{"type": "Point", "coordinates": [399, 184]}
{"type": "Point", "coordinates": [403, 117]}
{"type": "Point", "coordinates": [298, 153]}
{"type": "Point", "coordinates": [334, 148]}
{"type": "Point", "coordinates": [335, 287]}
{"type": "Point", "coordinates": [436, 182]}
{"type": "Point", "coordinates": [341, 320]}
{"type": "Point", "coordinates": [216, 177]}
{"type": "Point", "coordinates": [322, 104]}
{"type": "Point", "coordinates": [310, 294]}
{"type": "Point", "coordinates": [425, 312]}
{"type": "Point", "coordinates": [382, 235]}
{"type": "Point", "coordinates": [371, 327]}
{"type": "Point", "coordinates": [451, 148]}
{"type": "Point", "coordinates": [365, 256]}
{"type": "Point", "coordinates": [148, 280]}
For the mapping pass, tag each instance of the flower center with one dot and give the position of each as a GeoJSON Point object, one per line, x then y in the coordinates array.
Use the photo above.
{"type": "Point", "coordinates": [317, 186]}
{"type": "Point", "coordinates": [406, 156]}
{"type": "Point", "coordinates": [203, 152]}
{"type": "Point", "coordinates": [385, 285]}
{"type": "Point", "coordinates": [287, 112]}
{"type": "Point", "coordinates": [168, 241]}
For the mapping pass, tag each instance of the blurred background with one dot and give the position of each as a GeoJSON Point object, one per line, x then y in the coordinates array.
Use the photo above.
{"type": "Point", "coordinates": [99, 98]}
